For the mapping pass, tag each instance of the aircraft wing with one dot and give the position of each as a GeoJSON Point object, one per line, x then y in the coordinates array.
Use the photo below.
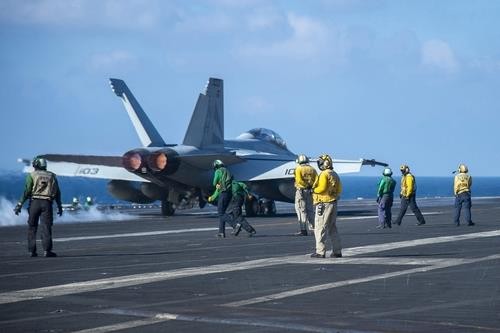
{"type": "Point", "coordinates": [104, 167]}
{"type": "Point", "coordinates": [274, 169]}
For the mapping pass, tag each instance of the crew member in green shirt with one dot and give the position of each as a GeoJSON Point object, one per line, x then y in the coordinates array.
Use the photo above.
{"type": "Point", "coordinates": [385, 198]}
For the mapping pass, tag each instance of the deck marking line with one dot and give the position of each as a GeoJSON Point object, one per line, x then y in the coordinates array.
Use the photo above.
{"type": "Point", "coordinates": [231, 321]}
{"type": "Point", "coordinates": [144, 278]}
{"type": "Point", "coordinates": [134, 234]}
{"type": "Point", "coordinates": [124, 325]}
{"type": "Point", "coordinates": [325, 286]}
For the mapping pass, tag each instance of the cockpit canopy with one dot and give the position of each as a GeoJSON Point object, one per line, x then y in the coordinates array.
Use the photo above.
{"type": "Point", "coordinates": [264, 134]}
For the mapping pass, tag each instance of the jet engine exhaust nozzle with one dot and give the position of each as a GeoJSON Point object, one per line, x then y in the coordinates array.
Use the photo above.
{"type": "Point", "coordinates": [157, 161]}
{"type": "Point", "coordinates": [132, 161]}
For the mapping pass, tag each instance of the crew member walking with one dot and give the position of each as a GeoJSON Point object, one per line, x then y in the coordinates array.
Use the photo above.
{"type": "Point", "coordinates": [461, 187]}
{"type": "Point", "coordinates": [408, 196]}
{"type": "Point", "coordinates": [222, 182]}
{"type": "Point", "coordinates": [385, 198]}
{"type": "Point", "coordinates": [305, 175]}
{"type": "Point", "coordinates": [41, 188]}
{"type": "Point", "coordinates": [326, 192]}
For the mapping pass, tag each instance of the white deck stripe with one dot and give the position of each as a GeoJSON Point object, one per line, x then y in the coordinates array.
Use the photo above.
{"type": "Point", "coordinates": [180, 231]}
{"type": "Point", "coordinates": [134, 234]}
{"type": "Point", "coordinates": [143, 278]}
{"type": "Point", "coordinates": [255, 323]}
{"type": "Point", "coordinates": [125, 325]}
{"type": "Point", "coordinates": [443, 264]}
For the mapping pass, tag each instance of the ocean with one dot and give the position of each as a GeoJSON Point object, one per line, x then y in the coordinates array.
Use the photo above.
{"type": "Point", "coordinates": [354, 188]}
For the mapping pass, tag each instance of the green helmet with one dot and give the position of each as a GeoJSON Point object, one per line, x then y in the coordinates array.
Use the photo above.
{"type": "Point", "coordinates": [217, 164]}
{"type": "Point", "coordinates": [40, 163]}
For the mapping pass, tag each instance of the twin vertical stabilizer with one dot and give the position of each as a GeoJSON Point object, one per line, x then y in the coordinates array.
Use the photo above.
{"type": "Point", "coordinates": [206, 128]}
{"type": "Point", "coordinates": [148, 134]}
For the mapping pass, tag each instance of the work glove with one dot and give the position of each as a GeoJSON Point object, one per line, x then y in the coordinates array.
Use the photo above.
{"type": "Point", "coordinates": [18, 208]}
{"type": "Point", "coordinates": [59, 211]}
{"type": "Point", "coordinates": [210, 199]}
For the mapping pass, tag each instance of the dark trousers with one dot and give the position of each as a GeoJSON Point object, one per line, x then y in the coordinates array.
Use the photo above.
{"type": "Point", "coordinates": [405, 202]}
{"type": "Point", "coordinates": [385, 210]}
{"type": "Point", "coordinates": [222, 204]}
{"type": "Point", "coordinates": [237, 214]}
{"type": "Point", "coordinates": [40, 209]}
{"type": "Point", "coordinates": [463, 199]}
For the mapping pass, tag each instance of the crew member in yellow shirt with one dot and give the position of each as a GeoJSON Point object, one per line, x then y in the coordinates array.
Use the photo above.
{"type": "Point", "coordinates": [407, 195]}
{"type": "Point", "coordinates": [305, 175]}
{"type": "Point", "coordinates": [461, 188]}
{"type": "Point", "coordinates": [326, 192]}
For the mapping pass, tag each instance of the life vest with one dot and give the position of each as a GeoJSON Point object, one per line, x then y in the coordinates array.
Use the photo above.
{"type": "Point", "coordinates": [44, 185]}
{"type": "Point", "coordinates": [332, 188]}
{"type": "Point", "coordinates": [462, 183]}
{"type": "Point", "coordinates": [305, 175]}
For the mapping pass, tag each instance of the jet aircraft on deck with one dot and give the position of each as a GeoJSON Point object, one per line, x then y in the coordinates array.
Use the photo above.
{"type": "Point", "coordinates": [180, 175]}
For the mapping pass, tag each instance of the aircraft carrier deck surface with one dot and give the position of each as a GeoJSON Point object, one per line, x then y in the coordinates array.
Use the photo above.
{"type": "Point", "coordinates": [151, 274]}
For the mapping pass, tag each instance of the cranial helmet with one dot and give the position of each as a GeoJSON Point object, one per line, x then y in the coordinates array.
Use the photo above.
{"type": "Point", "coordinates": [387, 172]}
{"type": "Point", "coordinates": [40, 163]}
{"type": "Point", "coordinates": [302, 159]}
{"type": "Point", "coordinates": [462, 168]}
{"type": "Point", "coordinates": [404, 168]}
{"type": "Point", "coordinates": [325, 162]}
{"type": "Point", "coordinates": [218, 164]}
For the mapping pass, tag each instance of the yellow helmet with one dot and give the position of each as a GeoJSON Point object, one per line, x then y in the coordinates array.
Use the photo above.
{"type": "Point", "coordinates": [462, 168]}
{"type": "Point", "coordinates": [302, 159]}
{"type": "Point", "coordinates": [325, 162]}
{"type": "Point", "coordinates": [404, 168]}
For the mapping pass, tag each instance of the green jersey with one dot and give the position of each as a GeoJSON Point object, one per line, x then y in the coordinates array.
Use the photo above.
{"type": "Point", "coordinates": [386, 186]}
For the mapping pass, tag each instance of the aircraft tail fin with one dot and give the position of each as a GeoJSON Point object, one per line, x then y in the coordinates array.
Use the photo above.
{"type": "Point", "coordinates": [145, 129]}
{"type": "Point", "coordinates": [206, 127]}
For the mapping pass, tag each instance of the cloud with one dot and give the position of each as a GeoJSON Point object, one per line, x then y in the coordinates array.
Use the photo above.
{"type": "Point", "coordinates": [129, 14]}
{"type": "Point", "coordinates": [307, 40]}
{"type": "Point", "coordinates": [439, 55]}
{"type": "Point", "coordinates": [257, 105]}
{"type": "Point", "coordinates": [205, 23]}
{"type": "Point", "coordinates": [263, 18]}
{"type": "Point", "coordinates": [114, 59]}
{"type": "Point", "coordinates": [486, 64]}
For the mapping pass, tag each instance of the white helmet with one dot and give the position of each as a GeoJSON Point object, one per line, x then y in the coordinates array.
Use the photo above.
{"type": "Point", "coordinates": [462, 168]}
{"type": "Point", "coordinates": [387, 172]}
{"type": "Point", "coordinates": [217, 164]}
{"type": "Point", "coordinates": [302, 159]}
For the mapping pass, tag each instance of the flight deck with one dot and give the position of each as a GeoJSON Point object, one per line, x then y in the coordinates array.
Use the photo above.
{"type": "Point", "coordinates": [147, 273]}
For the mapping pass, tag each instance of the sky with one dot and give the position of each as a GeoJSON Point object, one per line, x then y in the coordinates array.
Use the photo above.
{"type": "Point", "coordinates": [413, 82]}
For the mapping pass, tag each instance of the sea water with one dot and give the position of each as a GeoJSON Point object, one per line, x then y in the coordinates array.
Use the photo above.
{"type": "Point", "coordinates": [354, 187]}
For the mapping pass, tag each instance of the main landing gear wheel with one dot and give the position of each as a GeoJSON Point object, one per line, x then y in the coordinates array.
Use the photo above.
{"type": "Point", "coordinates": [167, 208]}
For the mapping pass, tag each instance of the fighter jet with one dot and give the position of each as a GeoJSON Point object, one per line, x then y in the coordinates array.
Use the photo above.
{"type": "Point", "coordinates": [180, 175]}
